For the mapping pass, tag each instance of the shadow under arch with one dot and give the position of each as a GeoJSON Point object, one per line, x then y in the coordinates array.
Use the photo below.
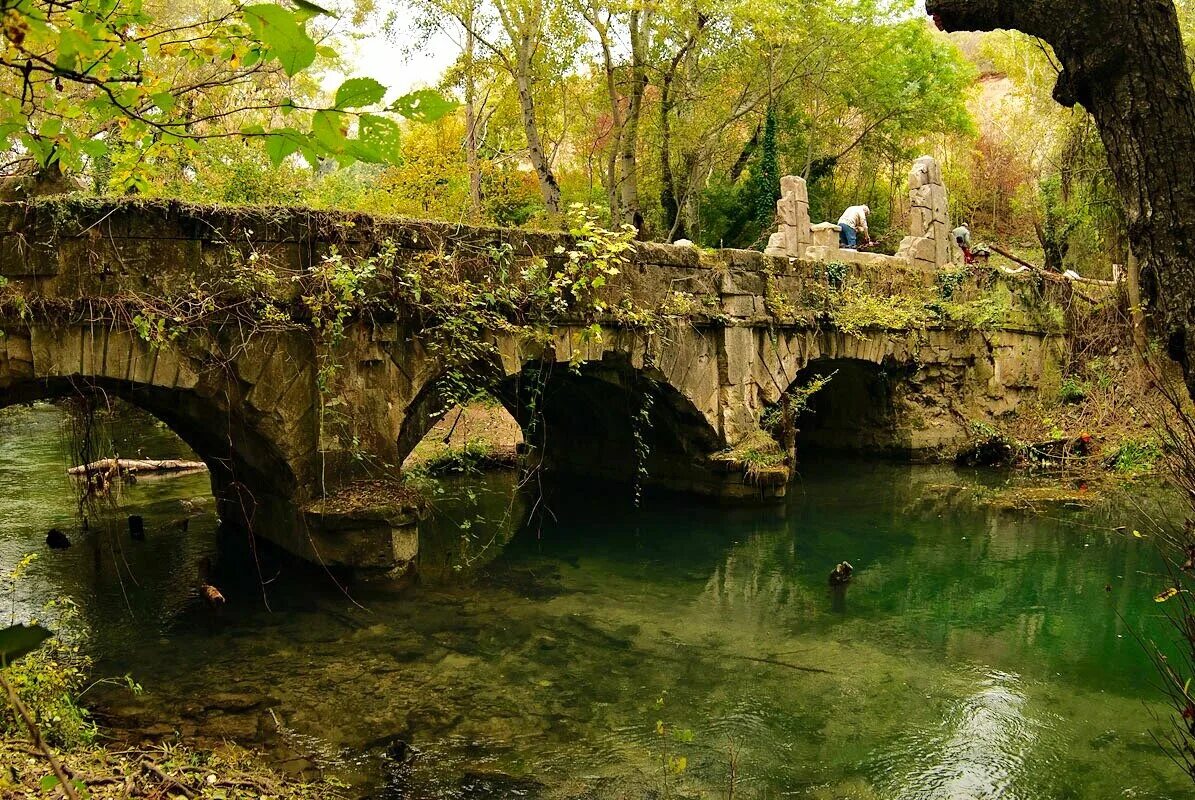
{"type": "Point", "coordinates": [604, 419]}
{"type": "Point", "coordinates": [248, 473]}
{"type": "Point", "coordinates": [859, 409]}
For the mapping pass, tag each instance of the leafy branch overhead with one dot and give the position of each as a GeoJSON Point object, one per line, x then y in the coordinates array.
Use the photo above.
{"type": "Point", "coordinates": [112, 83]}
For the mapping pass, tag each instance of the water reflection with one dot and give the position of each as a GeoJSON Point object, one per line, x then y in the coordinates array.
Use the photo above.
{"type": "Point", "coordinates": [978, 751]}
{"type": "Point", "coordinates": [975, 653]}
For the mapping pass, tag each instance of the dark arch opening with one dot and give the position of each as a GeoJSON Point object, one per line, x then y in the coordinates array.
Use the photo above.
{"type": "Point", "coordinates": [857, 411]}
{"type": "Point", "coordinates": [611, 421]}
{"type": "Point", "coordinates": [248, 473]}
{"type": "Point", "coordinates": [601, 420]}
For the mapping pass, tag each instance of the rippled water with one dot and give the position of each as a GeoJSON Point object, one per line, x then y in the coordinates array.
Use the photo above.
{"type": "Point", "coordinates": [978, 652]}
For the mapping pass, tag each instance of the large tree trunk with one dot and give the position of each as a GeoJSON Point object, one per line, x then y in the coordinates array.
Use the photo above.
{"type": "Point", "coordinates": [616, 122]}
{"type": "Point", "coordinates": [1123, 60]}
{"type": "Point", "coordinates": [548, 186]}
{"type": "Point", "coordinates": [670, 192]}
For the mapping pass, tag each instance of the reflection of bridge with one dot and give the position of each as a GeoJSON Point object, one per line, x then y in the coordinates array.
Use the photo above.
{"type": "Point", "coordinates": [248, 400]}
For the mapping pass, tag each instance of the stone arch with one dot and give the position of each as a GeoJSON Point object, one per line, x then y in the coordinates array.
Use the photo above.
{"type": "Point", "coordinates": [865, 407]}
{"type": "Point", "coordinates": [583, 414]}
{"type": "Point", "coordinates": [607, 419]}
{"type": "Point", "coordinates": [253, 477]}
{"type": "Point", "coordinates": [860, 409]}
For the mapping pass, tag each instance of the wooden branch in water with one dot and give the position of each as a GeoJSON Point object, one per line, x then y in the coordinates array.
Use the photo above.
{"type": "Point", "coordinates": [134, 466]}
{"type": "Point", "coordinates": [778, 663]}
{"type": "Point", "coordinates": [758, 659]}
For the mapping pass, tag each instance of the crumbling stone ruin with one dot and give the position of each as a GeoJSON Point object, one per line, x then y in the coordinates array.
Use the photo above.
{"type": "Point", "coordinates": [928, 245]}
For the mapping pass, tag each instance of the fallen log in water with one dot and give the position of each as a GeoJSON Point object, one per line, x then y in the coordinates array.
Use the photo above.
{"type": "Point", "coordinates": [134, 466]}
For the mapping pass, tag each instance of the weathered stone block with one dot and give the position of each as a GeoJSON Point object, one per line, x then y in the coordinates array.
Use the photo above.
{"type": "Point", "coordinates": [917, 248]}
{"type": "Point", "coordinates": [776, 246]}
{"type": "Point", "coordinates": [925, 170]}
{"type": "Point", "coordinates": [744, 259]}
{"type": "Point", "coordinates": [667, 255]}
{"type": "Point", "coordinates": [794, 186]}
{"type": "Point", "coordinates": [920, 221]}
{"type": "Point", "coordinates": [824, 234]}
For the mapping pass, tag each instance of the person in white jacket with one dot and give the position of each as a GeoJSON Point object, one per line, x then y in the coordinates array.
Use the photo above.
{"type": "Point", "coordinates": [853, 224]}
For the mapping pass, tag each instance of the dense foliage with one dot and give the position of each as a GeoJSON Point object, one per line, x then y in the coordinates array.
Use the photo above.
{"type": "Point", "coordinates": [125, 90]}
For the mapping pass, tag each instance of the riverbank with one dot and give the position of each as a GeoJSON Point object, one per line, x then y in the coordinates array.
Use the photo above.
{"type": "Point", "coordinates": [475, 436]}
{"type": "Point", "coordinates": [1104, 419]}
{"type": "Point", "coordinates": [220, 772]}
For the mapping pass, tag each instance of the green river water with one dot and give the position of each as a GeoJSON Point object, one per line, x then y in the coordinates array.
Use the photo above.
{"type": "Point", "coordinates": [978, 653]}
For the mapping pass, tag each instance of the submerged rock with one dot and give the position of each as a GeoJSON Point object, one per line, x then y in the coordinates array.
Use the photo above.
{"type": "Point", "coordinates": [486, 785]}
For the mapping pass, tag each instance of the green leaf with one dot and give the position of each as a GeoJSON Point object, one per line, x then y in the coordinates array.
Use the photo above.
{"type": "Point", "coordinates": [327, 127]}
{"type": "Point", "coordinates": [164, 101]}
{"type": "Point", "coordinates": [96, 148]}
{"type": "Point", "coordinates": [280, 144]}
{"type": "Point", "coordinates": [41, 149]}
{"type": "Point", "coordinates": [7, 129]}
{"type": "Point", "coordinates": [313, 10]}
{"type": "Point", "coordinates": [379, 140]}
{"type": "Point", "coordinates": [48, 782]}
{"type": "Point", "coordinates": [20, 640]}
{"type": "Point", "coordinates": [69, 45]}
{"type": "Point", "coordinates": [357, 92]}
{"type": "Point", "coordinates": [279, 30]}
{"type": "Point", "coordinates": [424, 105]}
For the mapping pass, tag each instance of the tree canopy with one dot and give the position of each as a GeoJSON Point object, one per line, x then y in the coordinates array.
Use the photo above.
{"type": "Point", "coordinates": [119, 86]}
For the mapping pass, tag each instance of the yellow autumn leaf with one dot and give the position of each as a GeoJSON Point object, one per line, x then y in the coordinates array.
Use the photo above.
{"type": "Point", "coordinates": [1138, 534]}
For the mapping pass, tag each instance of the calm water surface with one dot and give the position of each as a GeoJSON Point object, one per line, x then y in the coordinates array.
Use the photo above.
{"type": "Point", "coordinates": [675, 651]}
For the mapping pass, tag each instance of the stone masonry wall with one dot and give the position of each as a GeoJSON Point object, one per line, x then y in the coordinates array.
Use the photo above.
{"type": "Point", "coordinates": [250, 404]}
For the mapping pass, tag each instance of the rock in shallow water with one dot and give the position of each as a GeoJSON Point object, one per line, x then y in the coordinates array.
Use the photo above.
{"type": "Point", "coordinates": [485, 785]}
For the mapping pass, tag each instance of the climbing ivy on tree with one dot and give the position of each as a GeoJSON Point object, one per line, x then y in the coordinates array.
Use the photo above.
{"type": "Point", "coordinates": [120, 82]}
{"type": "Point", "coordinates": [766, 176]}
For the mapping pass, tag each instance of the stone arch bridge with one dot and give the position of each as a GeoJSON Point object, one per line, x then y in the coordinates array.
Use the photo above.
{"type": "Point", "coordinates": [740, 334]}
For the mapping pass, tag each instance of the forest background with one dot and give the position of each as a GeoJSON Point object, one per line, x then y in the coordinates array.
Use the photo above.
{"type": "Point", "coordinates": [676, 118]}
